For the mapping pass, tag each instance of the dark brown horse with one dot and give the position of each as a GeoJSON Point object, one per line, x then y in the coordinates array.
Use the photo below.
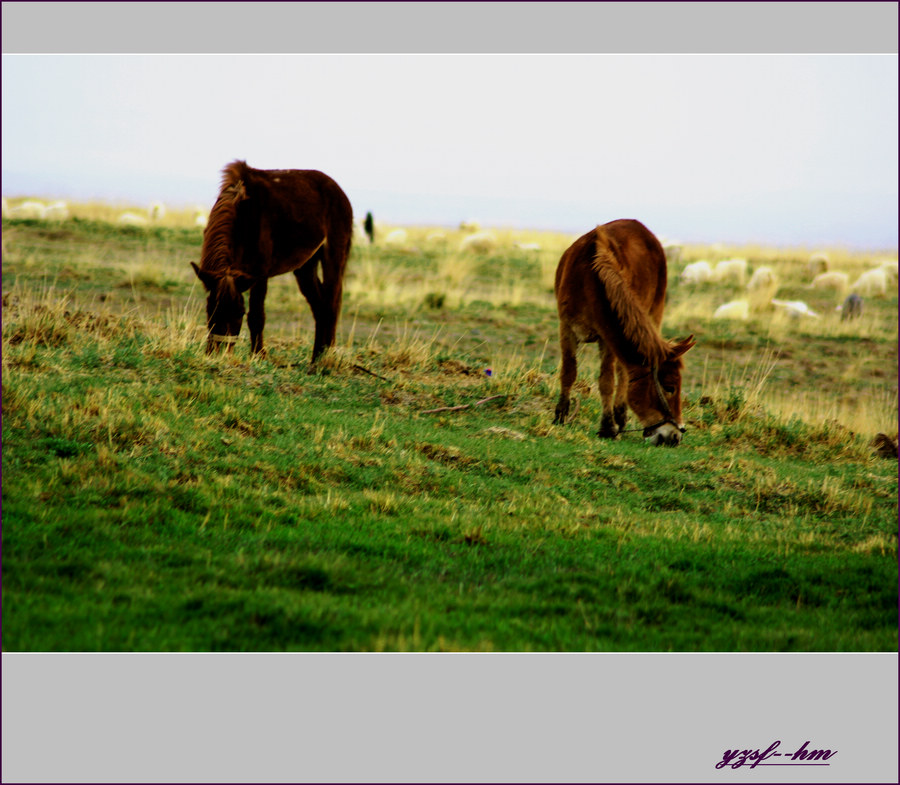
{"type": "Point", "coordinates": [611, 290]}
{"type": "Point", "coordinates": [265, 223]}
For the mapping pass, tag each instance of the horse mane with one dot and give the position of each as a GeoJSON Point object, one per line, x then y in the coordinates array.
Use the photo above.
{"type": "Point", "coordinates": [218, 244]}
{"type": "Point", "coordinates": [642, 341]}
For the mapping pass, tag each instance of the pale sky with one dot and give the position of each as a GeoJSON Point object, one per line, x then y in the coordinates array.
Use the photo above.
{"type": "Point", "coordinates": [783, 149]}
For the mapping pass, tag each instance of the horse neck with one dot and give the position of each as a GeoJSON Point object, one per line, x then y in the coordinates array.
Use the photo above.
{"type": "Point", "coordinates": [635, 335]}
{"type": "Point", "coordinates": [218, 244]}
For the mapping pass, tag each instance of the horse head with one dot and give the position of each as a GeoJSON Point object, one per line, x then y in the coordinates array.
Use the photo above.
{"type": "Point", "coordinates": [224, 306]}
{"type": "Point", "coordinates": [654, 395]}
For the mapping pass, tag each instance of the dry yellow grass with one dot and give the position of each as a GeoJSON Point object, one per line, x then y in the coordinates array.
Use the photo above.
{"type": "Point", "coordinates": [432, 271]}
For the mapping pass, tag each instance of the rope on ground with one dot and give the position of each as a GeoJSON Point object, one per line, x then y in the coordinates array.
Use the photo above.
{"type": "Point", "coordinates": [464, 406]}
{"type": "Point", "coordinates": [371, 373]}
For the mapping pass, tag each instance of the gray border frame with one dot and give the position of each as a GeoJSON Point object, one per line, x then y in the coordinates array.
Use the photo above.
{"type": "Point", "coordinates": [440, 718]}
{"type": "Point", "coordinates": [467, 27]}
{"type": "Point", "coordinates": [625, 718]}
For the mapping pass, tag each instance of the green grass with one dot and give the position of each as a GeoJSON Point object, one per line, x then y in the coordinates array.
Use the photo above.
{"type": "Point", "coordinates": [157, 499]}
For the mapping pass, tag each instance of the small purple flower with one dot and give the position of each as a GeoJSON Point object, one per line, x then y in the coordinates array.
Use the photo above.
{"type": "Point", "coordinates": [488, 372]}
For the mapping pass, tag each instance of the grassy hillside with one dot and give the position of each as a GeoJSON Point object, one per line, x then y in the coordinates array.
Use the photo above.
{"type": "Point", "coordinates": [157, 499]}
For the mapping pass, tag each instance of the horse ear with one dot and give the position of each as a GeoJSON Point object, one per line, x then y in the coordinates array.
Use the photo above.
{"type": "Point", "coordinates": [207, 278]}
{"type": "Point", "coordinates": [682, 346]}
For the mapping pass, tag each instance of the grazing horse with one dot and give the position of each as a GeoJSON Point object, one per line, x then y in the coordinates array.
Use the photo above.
{"type": "Point", "coordinates": [265, 223]}
{"type": "Point", "coordinates": [611, 290]}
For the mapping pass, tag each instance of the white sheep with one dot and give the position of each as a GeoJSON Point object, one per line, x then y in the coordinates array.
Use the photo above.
{"type": "Point", "coordinates": [480, 242]}
{"type": "Point", "coordinates": [871, 282]}
{"type": "Point", "coordinates": [890, 267]}
{"type": "Point", "coordinates": [132, 219]}
{"type": "Point", "coordinates": [818, 263]}
{"type": "Point", "coordinates": [201, 219]}
{"type": "Point", "coordinates": [696, 272]}
{"type": "Point", "coordinates": [736, 309]}
{"type": "Point", "coordinates": [795, 308]}
{"type": "Point", "coordinates": [528, 246]}
{"type": "Point", "coordinates": [833, 280]}
{"type": "Point", "coordinates": [731, 270]}
{"type": "Point", "coordinates": [762, 278]}
{"type": "Point", "coordinates": [672, 249]}
{"type": "Point", "coordinates": [398, 238]}
{"type": "Point", "coordinates": [27, 210]}
{"type": "Point", "coordinates": [58, 211]}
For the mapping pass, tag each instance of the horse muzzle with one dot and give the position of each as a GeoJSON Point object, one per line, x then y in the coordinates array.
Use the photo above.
{"type": "Point", "coordinates": [215, 342]}
{"type": "Point", "coordinates": [666, 433]}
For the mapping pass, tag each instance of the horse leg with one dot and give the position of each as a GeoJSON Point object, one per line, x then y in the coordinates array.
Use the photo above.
{"type": "Point", "coordinates": [332, 291]}
{"type": "Point", "coordinates": [256, 315]}
{"type": "Point", "coordinates": [568, 371]}
{"type": "Point", "coordinates": [620, 406]}
{"type": "Point", "coordinates": [606, 382]}
{"type": "Point", "coordinates": [310, 288]}
{"type": "Point", "coordinates": [324, 298]}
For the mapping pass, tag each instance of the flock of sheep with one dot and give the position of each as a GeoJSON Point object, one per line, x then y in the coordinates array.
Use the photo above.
{"type": "Point", "coordinates": [760, 290]}
{"type": "Point", "coordinates": [59, 211]}
{"type": "Point", "coordinates": [474, 241]}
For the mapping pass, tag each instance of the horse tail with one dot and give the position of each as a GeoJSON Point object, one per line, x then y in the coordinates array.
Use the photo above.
{"type": "Point", "coordinates": [640, 334]}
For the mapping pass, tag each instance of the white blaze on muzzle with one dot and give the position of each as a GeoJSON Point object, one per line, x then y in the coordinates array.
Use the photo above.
{"type": "Point", "coordinates": [665, 433]}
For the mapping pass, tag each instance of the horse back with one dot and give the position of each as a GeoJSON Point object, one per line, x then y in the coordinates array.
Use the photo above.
{"type": "Point", "coordinates": [287, 216]}
{"type": "Point", "coordinates": [640, 259]}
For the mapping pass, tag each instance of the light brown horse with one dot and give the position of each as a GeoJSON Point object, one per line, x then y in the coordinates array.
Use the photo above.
{"type": "Point", "coordinates": [611, 290]}
{"type": "Point", "coordinates": [265, 223]}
